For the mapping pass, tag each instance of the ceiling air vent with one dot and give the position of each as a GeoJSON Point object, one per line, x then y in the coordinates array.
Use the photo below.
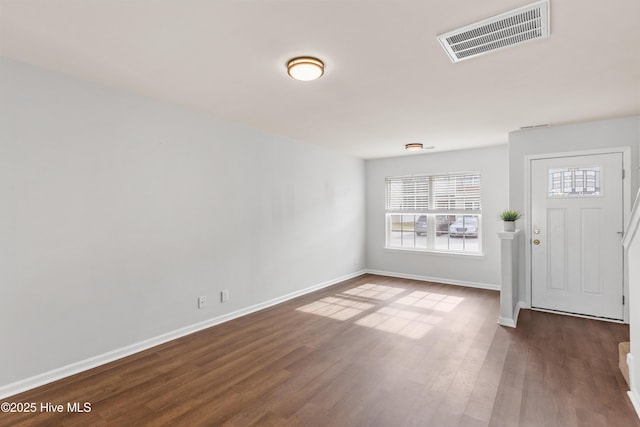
{"type": "Point", "coordinates": [508, 29]}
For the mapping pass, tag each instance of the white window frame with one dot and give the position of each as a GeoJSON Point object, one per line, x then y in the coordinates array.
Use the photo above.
{"type": "Point", "coordinates": [433, 195]}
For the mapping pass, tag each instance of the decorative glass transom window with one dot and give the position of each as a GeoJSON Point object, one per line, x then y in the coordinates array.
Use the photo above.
{"type": "Point", "coordinates": [439, 213]}
{"type": "Point", "coordinates": [579, 181]}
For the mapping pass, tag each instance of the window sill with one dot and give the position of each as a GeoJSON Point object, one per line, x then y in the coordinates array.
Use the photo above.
{"type": "Point", "coordinates": [435, 252]}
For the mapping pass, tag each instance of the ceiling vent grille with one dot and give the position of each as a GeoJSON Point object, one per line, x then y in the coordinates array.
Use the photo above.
{"type": "Point", "coordinates": [508, 29]}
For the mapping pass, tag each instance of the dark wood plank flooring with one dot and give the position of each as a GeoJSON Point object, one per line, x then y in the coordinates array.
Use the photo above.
{"type": "Point", "coordinates": [372, 351]}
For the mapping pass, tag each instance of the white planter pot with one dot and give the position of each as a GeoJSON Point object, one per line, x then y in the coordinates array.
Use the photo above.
{"type": "Point", "coordinates": [510, 226]}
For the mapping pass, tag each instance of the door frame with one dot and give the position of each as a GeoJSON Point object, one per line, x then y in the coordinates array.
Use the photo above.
{"type": "Point", "coordinates": [626, 208]}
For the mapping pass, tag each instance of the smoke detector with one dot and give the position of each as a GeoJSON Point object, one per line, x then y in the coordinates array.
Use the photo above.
{"type": "Point", "coordinates": [505, 30]}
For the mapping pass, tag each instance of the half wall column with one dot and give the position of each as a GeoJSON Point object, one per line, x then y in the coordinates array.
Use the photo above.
{"type": "Point", "coordinates": [509, 307]}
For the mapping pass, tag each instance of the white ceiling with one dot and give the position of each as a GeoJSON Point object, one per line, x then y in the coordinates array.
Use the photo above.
{"type": "Point", "coordinates": [387, 82]}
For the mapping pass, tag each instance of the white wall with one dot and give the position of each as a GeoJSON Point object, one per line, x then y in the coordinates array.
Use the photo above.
{"type": "Point", "coordinates": [117, 212]}
{"type": "Point", "coordinates": [483, 271]}
{"type": "Point", "coordinates": [602, 134]}
{"type": "Point", "coordinates": [631, 242]}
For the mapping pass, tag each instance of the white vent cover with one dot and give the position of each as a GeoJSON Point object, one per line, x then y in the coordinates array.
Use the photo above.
{"type": "Point", "coordinates": [508, 29]}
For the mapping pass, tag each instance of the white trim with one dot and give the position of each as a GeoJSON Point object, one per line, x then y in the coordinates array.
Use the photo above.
{"type": "Point", "coordinates": [513, 322]}
{"type": "Point", "coordinates": [633, 225]}
{"type": "Point", "coordinates": [508, 235]}
{"type": "Point", "coordinates": [491, 287]}
{"type": "Point", "coordinates": [516, 312]}
{"type": "Point", "coordinates": [582, 316]}
{"type": "Point", "coordinates": [626, 210]}
{"type": "Point", "coordinates": [92, 362]}
{"type": "Point", "coordinates": [526, 233]}
{"type": "Point", "coordinates": [434, 252]}
{"type": "Point", "coordinates": [503, 321]}
{"type": "Point", "coordinates": [633, 393]}
{"type": "Point", "coordinates": [635, 401]}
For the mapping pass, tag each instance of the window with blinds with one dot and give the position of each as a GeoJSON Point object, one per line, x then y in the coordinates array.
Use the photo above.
{"type": "Point", "coordinates": [434, 212]}
{"type": "Point", "coordinates": [408, 193]}
{"type": "Point", "coordinates": [436, 193]}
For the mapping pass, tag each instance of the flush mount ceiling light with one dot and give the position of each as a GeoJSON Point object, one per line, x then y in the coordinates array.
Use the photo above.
{"type": "Point", "coordinates": [305, 68]}
{"type": "Point", "coordinates": [413, 147]}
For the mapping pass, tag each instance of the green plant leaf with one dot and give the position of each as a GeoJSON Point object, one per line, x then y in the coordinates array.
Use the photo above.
{"type": "Point", "coordinates": [510, 215]}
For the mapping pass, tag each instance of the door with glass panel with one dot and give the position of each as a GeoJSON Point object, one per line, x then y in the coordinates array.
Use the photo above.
{"type": "Point", "coordinates": [577, 220]}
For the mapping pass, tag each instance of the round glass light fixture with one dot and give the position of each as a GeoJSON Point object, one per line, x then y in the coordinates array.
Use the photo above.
{"type": "Point", "coordinates": [305, 68]}
{"type": "Point", "coordinates": [413, 147]}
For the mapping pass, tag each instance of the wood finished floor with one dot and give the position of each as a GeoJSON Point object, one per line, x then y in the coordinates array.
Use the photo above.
{"type": "Point", "coordinates": [372, 351]}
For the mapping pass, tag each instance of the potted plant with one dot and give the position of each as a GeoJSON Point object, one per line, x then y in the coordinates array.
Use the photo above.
{"type": "Point", "coordinates": [509, 216]}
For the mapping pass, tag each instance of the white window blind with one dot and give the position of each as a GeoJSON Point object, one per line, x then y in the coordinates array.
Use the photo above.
{"type": "Point", "coordinates": [457, 193]}
{"type": "Point", "coordinates": [447, 194]}
{"type": "Point", "coordinates": [408, 194]}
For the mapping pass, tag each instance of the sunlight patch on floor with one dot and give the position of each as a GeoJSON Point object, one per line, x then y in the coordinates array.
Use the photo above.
{"type": "Point", "coordinates": [336, 308]}
{"type": "Point", "coordinates": [433, 301]}
{"type": "Point", "coordinates": [377, 292]}
{"type": "Point", "coordinates": [402, 322]}
{"type": "Point", "coordinates": [409, 315]}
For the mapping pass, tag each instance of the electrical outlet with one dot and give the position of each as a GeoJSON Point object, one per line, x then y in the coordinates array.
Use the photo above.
{"type": "Point", "coordinates": [202, 301]}
{"type": "Point", "coordinates": [224, 295]}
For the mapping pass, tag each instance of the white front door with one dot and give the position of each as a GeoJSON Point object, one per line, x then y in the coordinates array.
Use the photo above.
{"type": "Point", "coordinates": [577, 219]}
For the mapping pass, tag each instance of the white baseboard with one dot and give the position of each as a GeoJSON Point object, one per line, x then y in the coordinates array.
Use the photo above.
{"type": "Point", "coordinates": [582, 316]}
{"type": "Point", "coordinates": [511, 322]}
{"type": "Point", "coordinates": [635, 401]}
{"type": "Point", "coordinates": [633, 392]}
{"type": "Point", "coordinates": [503, 321]}
{"type": "Point", "coordinates": [92, 362]}
{"type": "Point", "coordinates": [516, 312]}
{"type": "Point", "coordinates": [436, 280]}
